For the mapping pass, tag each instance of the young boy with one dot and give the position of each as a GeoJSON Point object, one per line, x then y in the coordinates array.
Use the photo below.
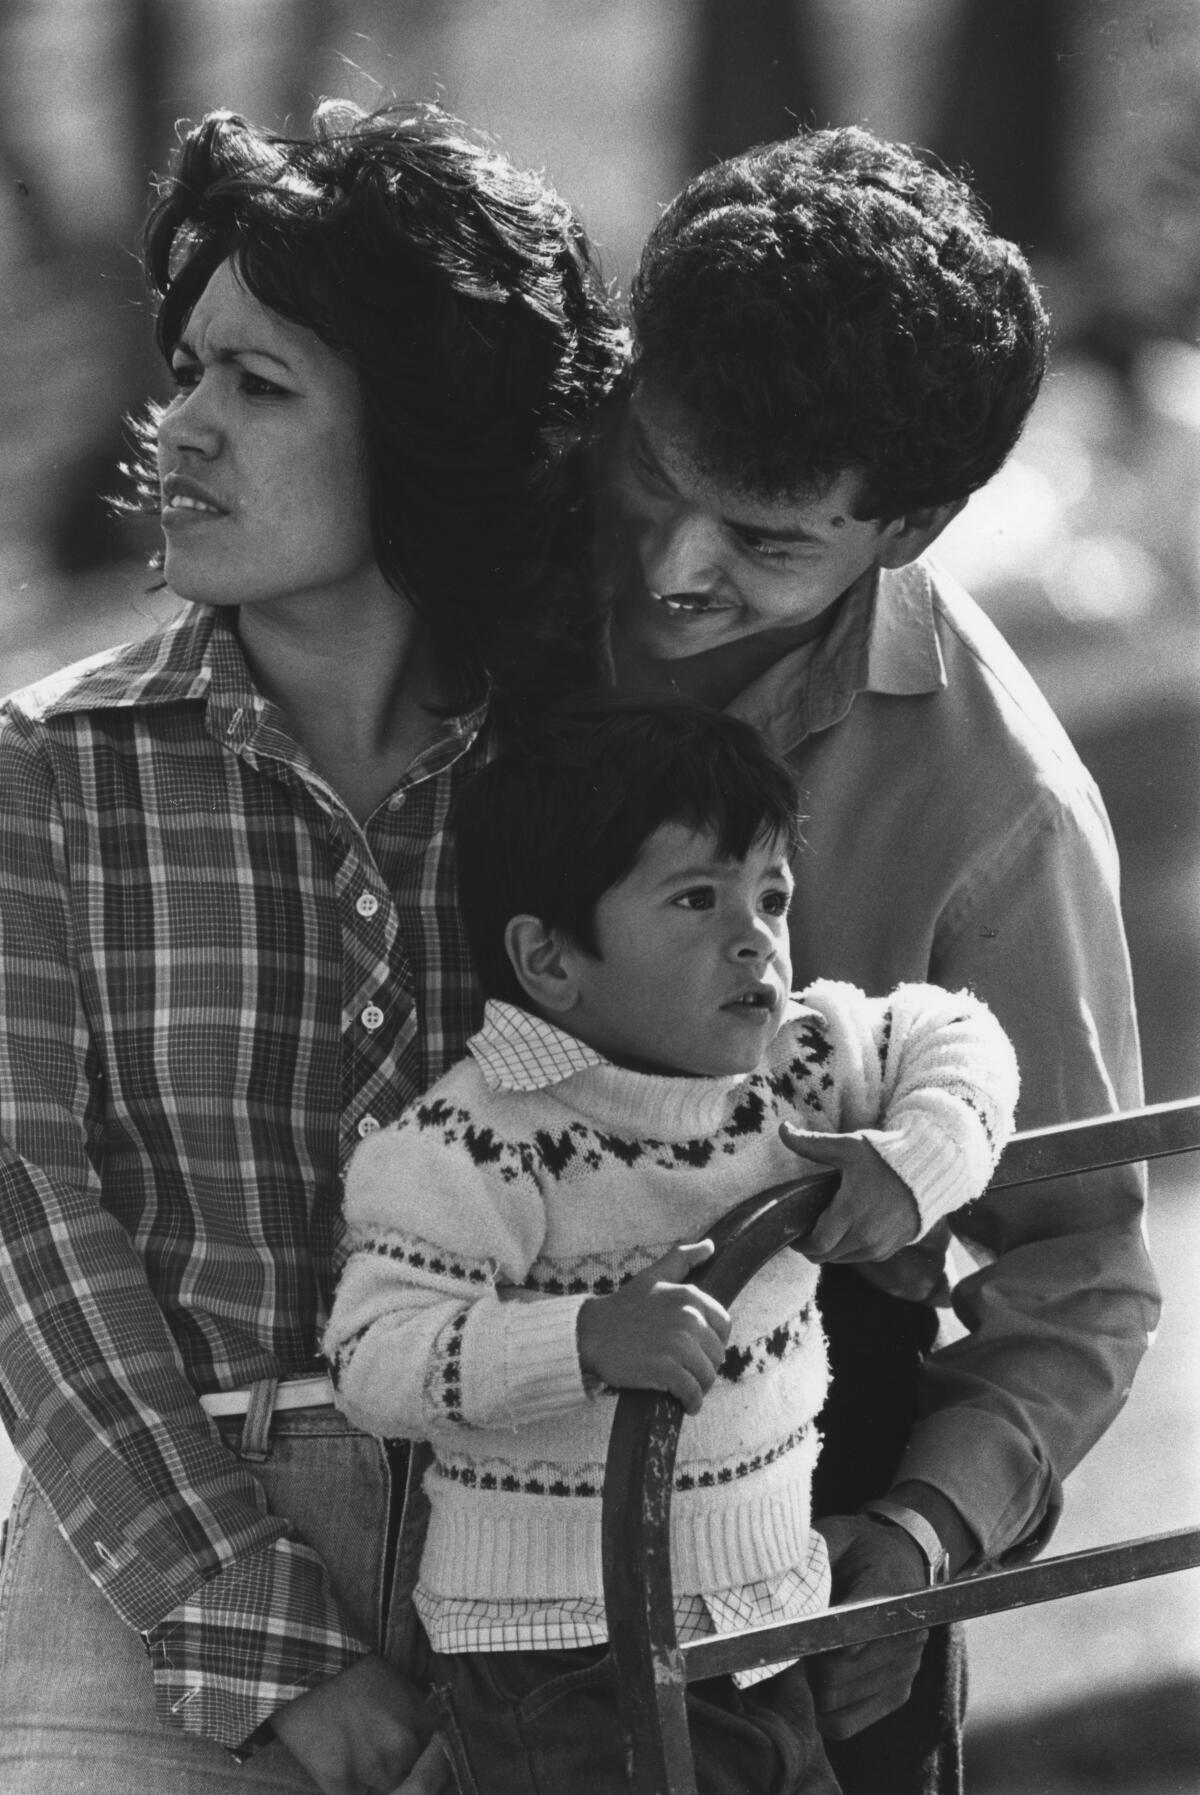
{"type": "Point", "coordinates": [520, 1239]}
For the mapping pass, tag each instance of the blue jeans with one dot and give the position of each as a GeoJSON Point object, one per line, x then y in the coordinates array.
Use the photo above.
{"type": "Point", "coordinates": [76, 1700]}
{"type": "Point", "coordinates": [541, 1723]}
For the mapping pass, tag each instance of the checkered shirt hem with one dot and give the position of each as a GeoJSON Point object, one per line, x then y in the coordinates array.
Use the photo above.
{"type": "Point", "coordinates": [519, 1052]}
{"type": "Point", "coordinates": [461, 1625]}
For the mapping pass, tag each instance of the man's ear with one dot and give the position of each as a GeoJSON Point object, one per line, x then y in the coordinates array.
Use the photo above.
{"type": "Point", "coordinates": [907, 537]}
{"type": "Point", "coordinates": [544, 965]}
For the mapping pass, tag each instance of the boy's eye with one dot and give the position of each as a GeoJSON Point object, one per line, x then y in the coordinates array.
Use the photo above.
{"type": "Point", "coordinates": [700, 897]}
{"type": "Point", "coordinates": [777, 903]}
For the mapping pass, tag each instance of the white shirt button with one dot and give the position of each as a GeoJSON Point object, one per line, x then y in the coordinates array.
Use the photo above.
{"type": "Point", "coordinates": [367, 1125]}
{"type": "Point", "coordinates": [371, 1017]}
{"type": "Point", "coordinates": [367, 903]}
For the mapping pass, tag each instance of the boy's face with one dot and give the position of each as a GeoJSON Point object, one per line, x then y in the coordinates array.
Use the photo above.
{"type": "Point", "coordinates": [696, 564]}
{"type": "Point", "coordinates": [694, 966]}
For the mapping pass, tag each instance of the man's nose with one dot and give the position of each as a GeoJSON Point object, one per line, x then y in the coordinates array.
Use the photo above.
{"type": "Point", "coordinates": [681, 552]}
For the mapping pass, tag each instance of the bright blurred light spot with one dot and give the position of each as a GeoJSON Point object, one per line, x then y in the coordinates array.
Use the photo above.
{"type": "Point", "coordinates": [1104, 579]}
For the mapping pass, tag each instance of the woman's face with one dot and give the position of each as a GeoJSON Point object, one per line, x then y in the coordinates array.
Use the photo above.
{"type": "Point", "coordinates": [261, 461]}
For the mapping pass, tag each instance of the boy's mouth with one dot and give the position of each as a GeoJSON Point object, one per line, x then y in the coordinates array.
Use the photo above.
{"type": "Point", "coordinates": [759, 999]}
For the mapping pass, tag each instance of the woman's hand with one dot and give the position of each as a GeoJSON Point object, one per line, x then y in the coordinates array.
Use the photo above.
{"type": "Point", "coordinates": [656, 1332]}
{"type": "Point", "coordinates": [365, 1732]}
{"type": "Point", "coordinates": [873, 1213]}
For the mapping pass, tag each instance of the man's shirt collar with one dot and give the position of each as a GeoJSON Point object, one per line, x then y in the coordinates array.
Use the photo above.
{"type": "Point", "coordinates": [883, 639]}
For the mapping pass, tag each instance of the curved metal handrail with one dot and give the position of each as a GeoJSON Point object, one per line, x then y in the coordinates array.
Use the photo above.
{"type": "Point", "coordinates": [650, 1666]}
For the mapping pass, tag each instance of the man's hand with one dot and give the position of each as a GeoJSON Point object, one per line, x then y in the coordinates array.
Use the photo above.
{"type": "Point", "coordinates": [365, 1732]}
{"type": "Point", "coordinates": [656, 1332]}
{"type": "Point", "coordinates": [861, 1683]}
{"type": "Point", "coordinates": [873, 1213]}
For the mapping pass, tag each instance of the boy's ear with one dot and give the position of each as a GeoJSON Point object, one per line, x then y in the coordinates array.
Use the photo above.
{"type": "Point", "coordinates": [907, 537]}
{"type": "Point", "coordinates": [542, 963]}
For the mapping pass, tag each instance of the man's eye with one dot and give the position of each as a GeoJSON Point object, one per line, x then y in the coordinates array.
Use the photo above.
{"type": "Point", "coordinates": [766, 551]}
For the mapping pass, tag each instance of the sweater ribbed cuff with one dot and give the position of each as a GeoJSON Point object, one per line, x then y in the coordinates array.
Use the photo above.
{"type": "Point", "coordinates": [533, 1352]}
{"type": "Point", "coordinates": [935, 1169]}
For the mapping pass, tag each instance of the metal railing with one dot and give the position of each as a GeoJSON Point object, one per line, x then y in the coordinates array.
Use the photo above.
{"type": "Point", "coordinates": [652, 1669]}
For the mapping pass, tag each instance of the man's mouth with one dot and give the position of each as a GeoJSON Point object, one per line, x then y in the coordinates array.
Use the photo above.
{"type": "Point", "coordinates": [685, 603]}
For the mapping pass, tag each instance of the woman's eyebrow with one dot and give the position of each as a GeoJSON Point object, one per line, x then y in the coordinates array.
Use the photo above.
{"type": "Point", "coordinates": [233, 352]}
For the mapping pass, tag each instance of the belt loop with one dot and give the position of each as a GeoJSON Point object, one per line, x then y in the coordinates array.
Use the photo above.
{"type": "Point", "coordinates": [256, 1429]}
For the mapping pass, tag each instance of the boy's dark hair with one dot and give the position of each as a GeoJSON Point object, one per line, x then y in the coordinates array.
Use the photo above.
{"type": "Point", "coordinates": [833, 302]}
{"type": "Point", "coordinates": [563, 812]}
{"type": "Point", "coordinates": [463, 292]}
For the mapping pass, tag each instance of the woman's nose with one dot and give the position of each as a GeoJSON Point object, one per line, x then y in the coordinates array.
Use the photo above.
{"type": "Point", "coordinates": [190, 423]}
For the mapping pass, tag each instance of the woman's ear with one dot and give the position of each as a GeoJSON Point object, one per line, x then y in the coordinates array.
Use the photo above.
{"type": "Point", "coordinates": [544, 965]}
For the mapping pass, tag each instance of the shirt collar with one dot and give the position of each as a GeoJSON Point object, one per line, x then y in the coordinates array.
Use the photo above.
{"type": "Point", "coordinates": [197, 656]}
{"type": "Point", "coordinates": [883, 639]}
{"type": "Point", "coordinates": [516, 1051]}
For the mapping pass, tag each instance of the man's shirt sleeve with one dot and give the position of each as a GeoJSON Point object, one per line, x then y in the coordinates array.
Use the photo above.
{"type": "Point", "coordinates": [1063, 1301]}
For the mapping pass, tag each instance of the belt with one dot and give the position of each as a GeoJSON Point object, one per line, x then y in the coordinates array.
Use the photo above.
{"type": "Point", "coordinates": [296, 1393]}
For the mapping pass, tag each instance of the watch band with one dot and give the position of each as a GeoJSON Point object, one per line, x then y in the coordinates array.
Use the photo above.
{"type": "Point", "coordinates": [923, 1535]}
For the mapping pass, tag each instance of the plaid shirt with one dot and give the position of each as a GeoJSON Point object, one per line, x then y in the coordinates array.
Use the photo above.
{"type": "Point", "coordinates": [214, 982]}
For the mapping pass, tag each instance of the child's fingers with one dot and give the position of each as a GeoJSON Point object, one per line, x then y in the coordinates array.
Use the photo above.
{"type": "Point", "coordinates": [678, 1261]}
{"type": "Point", "coordinates": [827, 1149]}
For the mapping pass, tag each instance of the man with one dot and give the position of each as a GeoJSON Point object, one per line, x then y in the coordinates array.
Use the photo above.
{"type": "Point", "coordinates": [831, 352]}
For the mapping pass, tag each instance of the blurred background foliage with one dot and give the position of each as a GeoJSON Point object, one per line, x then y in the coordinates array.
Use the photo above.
{"type": "Point", "coordinates": [1079, 123]}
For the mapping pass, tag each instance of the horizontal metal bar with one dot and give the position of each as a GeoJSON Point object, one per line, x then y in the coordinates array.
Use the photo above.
{"type": "Point", "coordinates": [1090, 1146]}
{"type": "Point", "coordinates": [993, 1592]}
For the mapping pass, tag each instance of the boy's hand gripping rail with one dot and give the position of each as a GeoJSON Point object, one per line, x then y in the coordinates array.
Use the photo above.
{"type": "Point", "coordinates": [652, 1670]}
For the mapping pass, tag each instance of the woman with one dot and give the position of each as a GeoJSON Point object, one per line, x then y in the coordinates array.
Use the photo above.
{"type": "Point", "coordinates": [229, 947]}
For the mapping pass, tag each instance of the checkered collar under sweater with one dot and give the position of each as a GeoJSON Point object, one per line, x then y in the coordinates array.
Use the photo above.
{"type": "Point", "coordinates": [517, 1051]}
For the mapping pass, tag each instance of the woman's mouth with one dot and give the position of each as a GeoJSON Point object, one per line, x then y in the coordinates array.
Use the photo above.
{"type": "Point", "coordinates": [181, 496]}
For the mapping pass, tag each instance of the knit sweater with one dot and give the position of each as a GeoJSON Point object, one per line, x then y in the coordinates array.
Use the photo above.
{"type": "Point", "coordinates": [501, 1185]}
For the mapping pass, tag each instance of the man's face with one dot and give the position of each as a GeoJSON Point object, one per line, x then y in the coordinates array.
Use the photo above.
{"type": "Point", "coordinates": [693, 563]}
{"type": "Point", "coordinates": [694, 966]}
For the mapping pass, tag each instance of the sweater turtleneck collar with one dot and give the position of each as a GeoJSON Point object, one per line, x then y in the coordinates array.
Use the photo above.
{"type": "Point", "coordinates": [517, 1051]}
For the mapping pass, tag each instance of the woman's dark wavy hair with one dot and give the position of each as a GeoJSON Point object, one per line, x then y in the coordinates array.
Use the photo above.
{"type": "Point", "coordinates": [563, 811]}
{"type": "Point", "coordinates": [464, 293]}
{"type": "Point", "coordinates": [835, 302]}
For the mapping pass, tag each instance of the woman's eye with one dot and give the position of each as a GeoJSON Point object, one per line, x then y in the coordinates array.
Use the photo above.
{"type": "Point", "coordinates": [185, 375]}
{"type": "Point", "coordinates": [256, 387]}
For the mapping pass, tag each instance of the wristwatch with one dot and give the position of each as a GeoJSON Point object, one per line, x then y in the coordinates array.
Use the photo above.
{"type": "Point", "coordinates": [919, 1531]}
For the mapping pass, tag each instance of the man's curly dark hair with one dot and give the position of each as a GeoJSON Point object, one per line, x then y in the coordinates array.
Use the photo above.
{"type": "Point", "coordinates": [834, 302]}
{"type": "Point", "coordinates": [463, 292]}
